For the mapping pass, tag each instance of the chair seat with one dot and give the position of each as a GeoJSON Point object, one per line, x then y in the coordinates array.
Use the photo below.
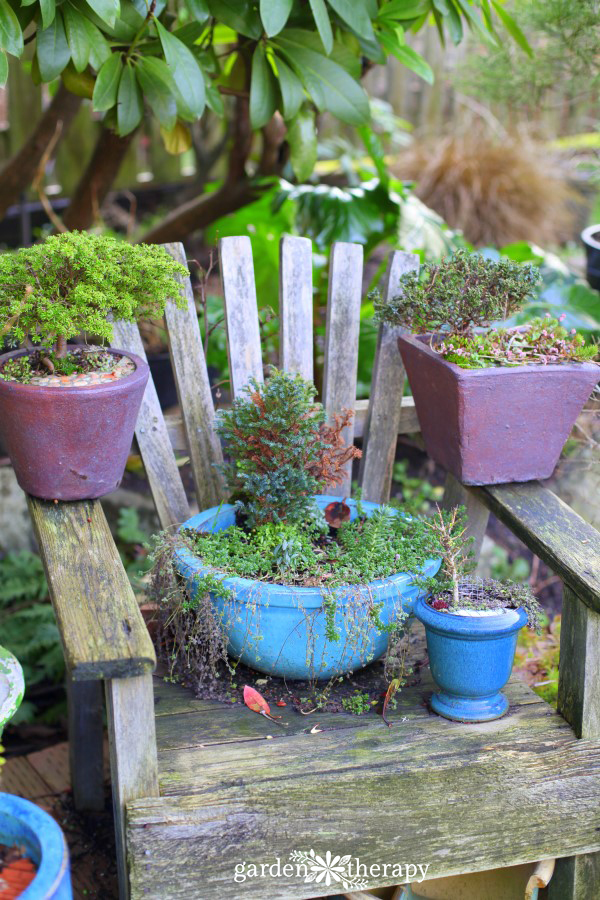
{"type": "Point", "coordinates": [237, 789]}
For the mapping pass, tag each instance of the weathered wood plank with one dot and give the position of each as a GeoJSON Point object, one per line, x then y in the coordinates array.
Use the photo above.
{"type": "Point", "coordinates": [409, 423]}
{"type": "Point", "coordinates": [102, 629]}
{"type": "Point", "coordinates": [521, 791]}
{"type": "Point", "coordinates": [153, 440]}
{"type": "Point", "coordinates": [241, 311]}
{"type": "Point", "coordinates": [193, 390]}
{"type": "Point", "coordinates": [456, 494]}
{"type": "Point", "coordinates": [296, 306]}
{"type": "Point", "coordinates": [576, 878]}
{"type": "Point", "coordinates": [86, 736]}
{"type": "Point", "coordinates": [251, 748]}
{"type": "Point", "coordinates": [341, 341]}
{"type": "Point", "coordinates": [133, 762]}
{"type": "Point", "coordinates": [387, 386]}
{"type": "Point", "coordinates": [579, 673]}
{"type": "Point", "coordinates": [560, 537]}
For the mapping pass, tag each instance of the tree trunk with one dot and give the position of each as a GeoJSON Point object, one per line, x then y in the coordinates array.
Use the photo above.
{"type": "Point", "coordinates": [19, 171]}
{"type": "Point", "coordinates": [61, 346]}
{"type": "Point", "coordinates": [97, 180]}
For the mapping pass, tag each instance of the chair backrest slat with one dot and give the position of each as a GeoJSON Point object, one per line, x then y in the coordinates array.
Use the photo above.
{"type": "Point", "coordinates": [153, 440]}
{"type": "Point", "coordinates": [241, 312]}
{"type": "Point", "coordinates": [193, 391]}
{"type": "Point", "coordinates": [387, 387]}
{"type": "Point", "coordinates": [296, 306]}
{"type": "Point", "coordinates": [341, 340]}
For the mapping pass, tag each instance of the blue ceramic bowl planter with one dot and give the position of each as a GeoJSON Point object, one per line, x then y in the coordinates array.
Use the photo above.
{"type": "Point", "coordinates": [471, 659]}
{"type": "Point", "coordinates": [25, 824]}
{"type": "Point", "coordinates": [280, 630]}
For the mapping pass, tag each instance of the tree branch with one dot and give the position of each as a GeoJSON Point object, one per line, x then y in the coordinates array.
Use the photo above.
{"type": "Point", "coordinates": [20, 170]}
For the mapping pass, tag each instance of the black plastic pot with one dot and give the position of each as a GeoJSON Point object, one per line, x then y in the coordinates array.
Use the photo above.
{"type": "Point", "coordinates": [591, 240]}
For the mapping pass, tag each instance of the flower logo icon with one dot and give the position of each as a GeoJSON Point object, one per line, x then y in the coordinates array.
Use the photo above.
{"type": "Point", "coordinates": [328, 869]}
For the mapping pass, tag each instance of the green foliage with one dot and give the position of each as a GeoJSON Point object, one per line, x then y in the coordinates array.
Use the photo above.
{"type": "Point", "coordinates": [18, 369]}
{"type": "Point", "coordinates": [287, 55]}
{"type": "Point", "coordinates": [28, 626]}
{"type": "Point", "coordinates": [358, 704]}
{"type": "Point", "coordinates": [542, 341]}
{"type": "Point", "coordinates": [464, 291]}
{"type": "Point", "coordinates": [72, 282]}
{"type": "Point", "coordinates": [132, 543]}
{"type": "Point", "coordinates": [281, 450]}
{"type": "Point", "coordinates": [417, 495]}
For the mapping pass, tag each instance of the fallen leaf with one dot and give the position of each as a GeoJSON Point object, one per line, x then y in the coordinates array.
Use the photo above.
{"type": "Point", "coordinates": [257, 703]}
{"type": "Point", "coordinates": [394, 685]}
{"type": "Point", "coordinates": [315, 730]}
{"type": "Point", "coordinates": [281, 703]}
{"type": "Point", "coordinates": [336, 513]}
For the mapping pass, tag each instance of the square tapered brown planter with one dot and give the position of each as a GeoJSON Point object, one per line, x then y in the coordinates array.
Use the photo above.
{"type": "Point", "coordinates": [496, 425]}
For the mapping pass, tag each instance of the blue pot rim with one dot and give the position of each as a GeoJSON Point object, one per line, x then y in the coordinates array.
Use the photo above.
{"type": "Point", "coordinates": [283, 595]}
{"type": "Point", "coordinates": [53, 846]}
{"type": "Point", "coordinates": [467, 627]}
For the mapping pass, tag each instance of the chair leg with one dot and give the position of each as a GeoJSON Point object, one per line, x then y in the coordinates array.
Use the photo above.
{"type": "Point", "coordinates": [133, 758]}
{"type": "Point", "coordinates": [85, 709]}
{"type": "Point", "coordinates": [576, 878]}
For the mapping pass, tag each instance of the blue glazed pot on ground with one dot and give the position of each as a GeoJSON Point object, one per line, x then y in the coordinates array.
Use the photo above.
{"type": "Point", "coordinates": [471, 659]}
{"type": "Point", "coordinates": [280, 630]}
{"type": "Point", "coordinates": [25, 824]}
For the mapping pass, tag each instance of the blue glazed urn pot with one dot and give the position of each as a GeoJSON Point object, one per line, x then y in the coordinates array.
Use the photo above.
{"type": "Point", "coordinates": [26, 825]}
{"type": "Point", "coordinates": [471, 659]}
{"type": "Point", "coordinates": [280, 629]}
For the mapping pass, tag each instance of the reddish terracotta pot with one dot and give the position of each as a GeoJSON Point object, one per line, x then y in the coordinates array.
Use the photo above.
{"type": "Point", "coordinates": [496, 425]}
{"type": "Point", "coordinates": [71, 443]}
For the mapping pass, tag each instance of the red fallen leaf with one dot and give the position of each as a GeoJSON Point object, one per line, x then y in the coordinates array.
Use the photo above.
{"type": "Point", "coordinates": [257, 703]}
{"type": "Point", "coordinates": [281, 703]}
{"type": "Point", "coordinates": [394, 685]}
{"type": "Point", "coordinates": [336, 513]}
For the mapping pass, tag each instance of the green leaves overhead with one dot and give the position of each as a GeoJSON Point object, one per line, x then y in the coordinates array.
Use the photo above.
{"type": "Point", "coordinates": [274, 14]}
{"type": "Point", "coordinates": [11, 36]}
{"type": "Point", "coordinates": [186, 74]}
{"type": "Point", "coordinates": [52, 49]}
{"type": "Point", "coordinates": [155, 80]}
{"type": "Point", "coordinates": [130, 105]}
{"type": "Point", "coordinates": [295, 57]}
{"type": "Point", "coordinates": [330, 86]}
{"type": "Point", "coordinates": [263, 97]}
{"type": "Point", "coordinates": [107, 83]}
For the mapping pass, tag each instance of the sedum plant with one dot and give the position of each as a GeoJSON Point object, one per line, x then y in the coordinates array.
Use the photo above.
{"type": "Point", "coordinates": [281, 449]}
{"type": "Point", "coordinates": [72, 284]}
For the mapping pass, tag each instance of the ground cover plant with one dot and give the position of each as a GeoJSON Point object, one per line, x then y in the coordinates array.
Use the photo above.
{"type": "Point", "coordinates": [69, 286]}
{"type": "Point", "coordinates": [282, 452]}
{"type": "Point", "coordinates": [456, 301]}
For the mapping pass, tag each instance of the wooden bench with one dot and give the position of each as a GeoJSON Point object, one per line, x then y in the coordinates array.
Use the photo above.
{"type": "Point", "coordinates": [199, 787]}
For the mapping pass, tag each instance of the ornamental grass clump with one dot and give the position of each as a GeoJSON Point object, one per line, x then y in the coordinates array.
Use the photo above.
{"type": "Point", "coordinates": [73, 284]}
{"type": "Point", "coordinates": [456, 301]}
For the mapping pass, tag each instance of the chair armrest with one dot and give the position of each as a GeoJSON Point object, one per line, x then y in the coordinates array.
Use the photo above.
{"type": "Point", "coordinates": [102, 630]}
{"type": "Point", "coordinates": [568, 544]}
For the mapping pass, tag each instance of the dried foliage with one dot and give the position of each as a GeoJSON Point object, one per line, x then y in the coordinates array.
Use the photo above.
{"type": "Point", "coordinates": [282, 450]}
{"type": "Point", "coordinates": [495, 191]}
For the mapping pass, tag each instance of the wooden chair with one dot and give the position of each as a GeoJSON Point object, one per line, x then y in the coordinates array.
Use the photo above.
{"type": "Point", "coordinates": [199, 787]}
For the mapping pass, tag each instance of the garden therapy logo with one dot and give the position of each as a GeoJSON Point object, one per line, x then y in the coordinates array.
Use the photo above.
{"type": "Point", "coordinates": [346, 871]}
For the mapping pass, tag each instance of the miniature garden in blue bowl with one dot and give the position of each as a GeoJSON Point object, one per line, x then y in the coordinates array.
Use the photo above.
{"type": "Point", "coordinates": [282, 630]}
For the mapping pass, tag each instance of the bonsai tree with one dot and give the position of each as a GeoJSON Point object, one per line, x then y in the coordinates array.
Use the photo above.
{"type": "Point", "coordinates": [453, 588]}
{"type": "Point", "coordinates": [282, 449]}
{"type": "Point", "coordinates": [466, 292]}
{"type": "Point", "coordinates": [72, 284]}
